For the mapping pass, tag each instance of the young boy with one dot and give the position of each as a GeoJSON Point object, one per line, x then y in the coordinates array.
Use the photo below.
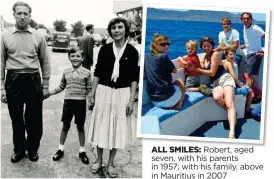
{"type": "Point", "coordinates": [77, 81]}
{"type": "Point", "coordinates": [228, 64]}
{"type": "Point", "coordinates": [192, 77]}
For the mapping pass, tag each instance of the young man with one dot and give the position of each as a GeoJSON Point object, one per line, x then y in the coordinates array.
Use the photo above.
{"type": "Point", "coordinates": [23, 51]}
{"type": "Point", "coordinates": [229, 39]}
{"type": "Point", "coordinates": [252, 37]}
{"type": "Point", "coordinates": [86, 43]}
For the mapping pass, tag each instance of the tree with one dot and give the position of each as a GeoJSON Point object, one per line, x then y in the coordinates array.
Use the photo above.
{"type": "Point", "coordinates": [77, 28]}
{"type": "Point", "coordinates": [60, 25]}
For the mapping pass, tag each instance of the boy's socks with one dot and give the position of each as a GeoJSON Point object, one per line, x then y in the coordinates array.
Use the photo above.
{"type": "Point", "coordinates": [82, 149]}
{"type": "Point", "coordinates": [61, 147]}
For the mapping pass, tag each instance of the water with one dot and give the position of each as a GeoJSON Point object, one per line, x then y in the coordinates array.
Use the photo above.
{"type": "Point", "coordinates": [179, 32]}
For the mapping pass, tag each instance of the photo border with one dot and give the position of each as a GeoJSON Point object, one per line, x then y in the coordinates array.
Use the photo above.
{"type": "Point", "coordinates": [265, 73]}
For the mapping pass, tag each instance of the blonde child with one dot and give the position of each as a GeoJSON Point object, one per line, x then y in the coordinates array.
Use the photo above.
{"type": "Point", "coordinates": [192, 78]}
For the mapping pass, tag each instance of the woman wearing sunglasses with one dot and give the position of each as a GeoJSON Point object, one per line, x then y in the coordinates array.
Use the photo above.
{"type": "Point", "coordinates": [223, 83]}
{"type": "Point", "coordinates": [158, 69]}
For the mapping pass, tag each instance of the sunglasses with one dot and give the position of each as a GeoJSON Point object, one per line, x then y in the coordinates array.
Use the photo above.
{"type": "Point", "coordinates": [208, 39]}
{"type": "Point", "coordinates": [225, 24]}
{"type": "Point", "coordinates": [165, 44]}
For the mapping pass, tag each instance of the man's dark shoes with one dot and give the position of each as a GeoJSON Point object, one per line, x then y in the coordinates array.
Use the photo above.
{"type": "Point", "coordinates": [59, 154]}
{"type": "Point", "coordinates": [17, 156]}
{"type": "Point", "coordinates": [33, 156]}
{"type": "Point", "coordinates": [84, 157]}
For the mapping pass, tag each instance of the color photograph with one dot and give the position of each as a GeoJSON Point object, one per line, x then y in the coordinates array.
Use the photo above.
{"type": "Point", "coordinates": [204, 73]}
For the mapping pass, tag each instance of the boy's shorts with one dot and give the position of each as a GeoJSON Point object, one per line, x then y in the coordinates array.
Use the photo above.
{"type": "Point", "coordinates": [252, 64]}
{"type": "Point", "coordinates": [76, 108]}
{"type": "Point", "coordinates": [192, 81]}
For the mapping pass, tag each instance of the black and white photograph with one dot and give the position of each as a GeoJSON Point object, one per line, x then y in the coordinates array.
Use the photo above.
{"type": "Point", "coordinates": [69, 89]}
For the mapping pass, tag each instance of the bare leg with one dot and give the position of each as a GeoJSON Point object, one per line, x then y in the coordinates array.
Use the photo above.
{"type": "Point", "coordinates": [255, 88]}
{"type": "Point", "coordinates": [64, 133]}
{"type": "Point", "coordinates": [194, 89]}
{"type": "Point", "coordinates": [248, 101]}
{"type": "Point", "coordinates": [248, 80]}
{"type": "Point", "coordinates": [99, 155]}
{"type": "Point", "coordinates": [181, 85]}
{"type": "Point", "coordinates": [81, 135]}
{"type": "Point", "coordinates": [218, 95]}
{"type": "Point", "coordinates": [229, 93]}
{"type": "Point", "coordinates": [111, 156]}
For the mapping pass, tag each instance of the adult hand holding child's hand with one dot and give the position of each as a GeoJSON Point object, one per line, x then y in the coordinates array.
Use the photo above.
{"type": "Point", "coordinates": [46, 93]}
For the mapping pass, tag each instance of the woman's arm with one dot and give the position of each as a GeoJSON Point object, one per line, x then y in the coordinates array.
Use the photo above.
{"type": "Point", "coordinates": [133, 87]}
{"type": "Point", "coordinates": [94, 86]}
{"type": "Point", "coordinates": [215, 62]}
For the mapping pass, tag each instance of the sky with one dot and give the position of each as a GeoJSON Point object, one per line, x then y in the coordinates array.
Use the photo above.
{"type": "Point", "coordinates": [97, 12]}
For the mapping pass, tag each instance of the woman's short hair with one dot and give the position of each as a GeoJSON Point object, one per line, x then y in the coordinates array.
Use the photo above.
{"type": "Point", "coordinates": [75, 49]}
{"type": "Point", "coordinates": [21, 3]}
{"type": "Point", "coordinates": [192, 43]}
{"type": "Point", "coordinates": [226, 52]}
{"type": "Point", "coordinates": [207, 39]}
{"type": "Point", "coordinates": [157, 39]}
{"type": "Point", "coordinates": [116, 21]}
{"type": "Point", "coordinates": [226, 19]}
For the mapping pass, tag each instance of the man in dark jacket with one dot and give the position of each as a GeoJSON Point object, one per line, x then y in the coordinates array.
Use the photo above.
{"type": "Point", "coordinates": [86, 43]}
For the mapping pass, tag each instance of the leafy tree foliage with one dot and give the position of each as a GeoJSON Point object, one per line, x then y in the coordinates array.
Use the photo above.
{"type": "Point", "coordinates": [77, 28]}
{"type": "Point", "coordinates": [60, 25]}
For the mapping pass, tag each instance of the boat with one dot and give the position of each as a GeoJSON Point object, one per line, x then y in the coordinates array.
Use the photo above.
{"type": "Point", "coordinates": [200, 116]}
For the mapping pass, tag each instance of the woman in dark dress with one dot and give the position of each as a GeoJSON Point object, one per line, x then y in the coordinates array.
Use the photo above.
{"type": "Point", "coordinates": [113, 91]}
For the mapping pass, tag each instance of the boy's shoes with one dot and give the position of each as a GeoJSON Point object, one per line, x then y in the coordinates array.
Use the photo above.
{"type": "Point", "coordinates": [33, 156]}
{"type": "Point", "coordinates": [17, 156]}
{"type": "Point", "coordinates": [84, 157]}
{"type": "Point", "coordinates": [205, 90]}
{"type": "Point", "coordinates": [59, 154]}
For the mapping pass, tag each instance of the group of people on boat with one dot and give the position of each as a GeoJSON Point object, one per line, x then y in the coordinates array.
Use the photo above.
{"type": "Point", "coordinates": [218, 64]}
{"type": "Point", "coordinates": [110, 94]}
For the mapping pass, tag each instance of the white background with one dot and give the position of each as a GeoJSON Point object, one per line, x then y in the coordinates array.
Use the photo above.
{"type": "Point", "coordinates": [263, 153]}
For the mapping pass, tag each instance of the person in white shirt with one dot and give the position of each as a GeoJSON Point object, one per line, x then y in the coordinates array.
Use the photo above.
{"type": "Point", "coordinates": [252, 38]}
{"type": "Point", "coordinates": [229, 39]}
